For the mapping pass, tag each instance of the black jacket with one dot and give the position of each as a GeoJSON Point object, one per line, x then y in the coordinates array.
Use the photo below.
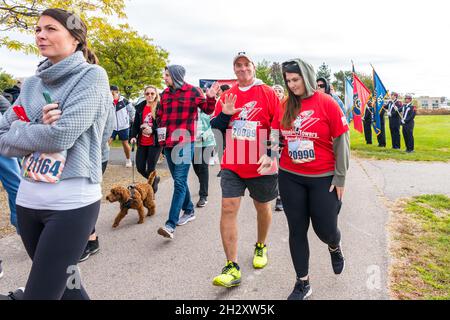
{"type": "Point", "coordinates": [136, 127]}
{"type": "Point", "coordinates": [13, 92]}
{"type": "Point", "coordinates": [409, 113]}
{"type": "Point", "coordinates": [327, 85]}
{"type": "Point", "coordinates": [390, 107]}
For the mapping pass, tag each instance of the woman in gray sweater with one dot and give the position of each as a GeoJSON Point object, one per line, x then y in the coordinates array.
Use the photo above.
{"type": "Point", "coordinates": [58, 124]}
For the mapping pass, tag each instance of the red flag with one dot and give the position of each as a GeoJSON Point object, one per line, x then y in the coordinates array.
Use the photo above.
{"type": "Point", "coordinates": [361, 96]}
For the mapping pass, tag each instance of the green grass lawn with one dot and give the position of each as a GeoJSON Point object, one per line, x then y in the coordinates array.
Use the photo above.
{"type": "Point", "coordinates": [431, 139]}
{"type": "Point", "coordinates": [422, 268]}
{"type": "Point", "coordinates": [116, 144]}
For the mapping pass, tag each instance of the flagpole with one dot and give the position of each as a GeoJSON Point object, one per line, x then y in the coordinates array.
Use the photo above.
{"type": "Point", "coordinates": [374, 101]}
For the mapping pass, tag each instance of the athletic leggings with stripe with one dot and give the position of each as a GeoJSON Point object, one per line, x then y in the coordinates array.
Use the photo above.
{"type": "Point", "coordinates": [308, 199]}
{"type": "Point", "coordinates": [55, 241]}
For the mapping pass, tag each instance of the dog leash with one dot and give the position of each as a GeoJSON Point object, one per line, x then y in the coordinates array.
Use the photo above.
{"type": "Point", "coordinates": [132, 187]}
{"type": "Point", "coordinates": [133, 162]}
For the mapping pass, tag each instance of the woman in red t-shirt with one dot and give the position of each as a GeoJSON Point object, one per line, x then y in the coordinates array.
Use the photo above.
{"type": "Point", "coordinates": [314, 160]}
{"type": "Point", "coordinates": [143, 132]}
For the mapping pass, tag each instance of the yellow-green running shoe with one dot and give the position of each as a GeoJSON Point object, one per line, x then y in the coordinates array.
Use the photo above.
{"type": "Point", "coordinates": [260, 257]}
{"type": "Point", "coordinates": [230, 276]}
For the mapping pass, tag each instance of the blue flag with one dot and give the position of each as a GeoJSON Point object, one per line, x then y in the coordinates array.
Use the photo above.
{"type": "Point", "coordinates": [379, 94]}
{"type": "Point", "coordinates": [348, 99]}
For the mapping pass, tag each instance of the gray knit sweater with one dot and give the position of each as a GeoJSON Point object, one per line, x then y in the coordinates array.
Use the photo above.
{"type": "Point", "coordinates": [82, 91]}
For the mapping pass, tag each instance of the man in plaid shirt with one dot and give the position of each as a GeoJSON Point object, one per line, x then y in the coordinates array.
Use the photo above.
{"type": "Point", "coordinates": [177, 116]}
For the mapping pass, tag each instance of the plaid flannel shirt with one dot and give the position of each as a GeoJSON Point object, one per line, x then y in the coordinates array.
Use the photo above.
{"type": "Point", "coordinates": [179, 112]}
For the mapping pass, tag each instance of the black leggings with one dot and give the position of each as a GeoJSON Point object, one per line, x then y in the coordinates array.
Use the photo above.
{"type": "Point", "coordinates": [55, 241]}
{"type": "Point", "coordinates": [104, 165]}
{"type": "Point", "coordinates": [146, 159]}
{"type": "Point", "coordinates": [200, 163]}
{"type": "Point", "coordinates": [308, 199]}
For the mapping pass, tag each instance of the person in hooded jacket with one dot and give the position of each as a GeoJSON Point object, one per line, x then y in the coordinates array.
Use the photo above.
{"type": "Point", "coordinates": [313, 164]}
{"type": "Point", "coordinates": [324, 86]}
{"type": "Point", "coordinates": [178, 116]}
{"type": "Point", "coordinates": [13, 92]}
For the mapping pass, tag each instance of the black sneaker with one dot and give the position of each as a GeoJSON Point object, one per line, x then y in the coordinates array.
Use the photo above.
{"type": "Point", "coordinates": [337, 259]}
{"type": "Point", "coordinates": [202, 202]}
{"type": "Point", "coordinates": [302, 290]}
{"type": "Point", "coordinates": [92, 247]}
{"type": "Point", "coordinates": [278, 205]}
{"type": "Point", "coordinates": [155, 184]}
{"type": "Point", "coordinates": [1, 270]}
{"type": "Point", "coordinates": [16, 295]}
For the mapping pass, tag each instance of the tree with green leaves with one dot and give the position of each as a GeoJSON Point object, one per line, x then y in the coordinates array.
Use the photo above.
{"type": "Point", "coordinates": [132, 61]}
{"type": "Point", "coordinates": [6, 80]}
{"type": "Point", "coordinates": [21, 16]}
{"type": "Point", "coordinates": [324, 72]}
{"type": "Point", "coordinates": [339, 83]}
{"type": "Point", "coordinates": [276, 74]}
{"type": "Point", "coordinates": [263, 72]}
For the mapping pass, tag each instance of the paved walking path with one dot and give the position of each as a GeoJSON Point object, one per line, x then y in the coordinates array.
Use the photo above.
{"type": "Point", "coordinates": [136, 263]}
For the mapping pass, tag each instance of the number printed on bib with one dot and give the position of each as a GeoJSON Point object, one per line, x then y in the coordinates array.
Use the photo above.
{"type": "Point", "coordinates": [245, 130]}
{"type": "Point", "coordinates": [161, 134]}
{"type": "Point", "coordinates": [44, 167]}
{"type": "Point", "coordinates": [302, 151]}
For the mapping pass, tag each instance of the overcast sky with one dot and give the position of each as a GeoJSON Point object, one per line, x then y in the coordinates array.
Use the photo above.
{"type": "Point", "coordinates": [407, 41]}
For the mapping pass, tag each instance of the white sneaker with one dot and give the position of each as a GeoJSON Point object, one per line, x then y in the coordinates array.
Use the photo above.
{"type": "Point", "coordinates": [128, 163]}
{"type": "Point", "coordinates": [166, 232]}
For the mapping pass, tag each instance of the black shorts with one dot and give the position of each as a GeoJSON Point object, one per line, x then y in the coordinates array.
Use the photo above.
{"type": "Point", "coordinates": [262, 189]}
{"type": "Point", "coordinates": [123, 134]}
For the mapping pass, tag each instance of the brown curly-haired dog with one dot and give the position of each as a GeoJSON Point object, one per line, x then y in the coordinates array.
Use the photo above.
{"type": "Point", "coordinates": [141, 196]}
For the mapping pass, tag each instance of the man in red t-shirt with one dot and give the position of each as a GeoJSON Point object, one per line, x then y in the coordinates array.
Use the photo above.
{"type": "Point", "coordinates": [245, 114]}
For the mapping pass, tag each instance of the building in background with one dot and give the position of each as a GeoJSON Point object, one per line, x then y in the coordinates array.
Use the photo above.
{"type": "Point", "coordinates": [430, 103]}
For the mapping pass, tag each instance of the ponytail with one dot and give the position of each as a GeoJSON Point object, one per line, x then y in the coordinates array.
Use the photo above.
{"type": "Point", "coordinates": [89, 55]}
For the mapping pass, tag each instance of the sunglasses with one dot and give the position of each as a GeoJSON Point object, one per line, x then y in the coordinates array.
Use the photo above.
{"type": "Point", "coordinates": [150, 94]}
{"type": "Point", "coordinates": [321, 85]}
{"type": "Point", "coordinates": [284, 65]}
{"type": "Point", "coordinates": [291, 66]}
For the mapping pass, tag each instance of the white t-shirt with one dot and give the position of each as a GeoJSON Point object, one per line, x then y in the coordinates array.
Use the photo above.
{"type": "Point", "coordinates": [66, 195]}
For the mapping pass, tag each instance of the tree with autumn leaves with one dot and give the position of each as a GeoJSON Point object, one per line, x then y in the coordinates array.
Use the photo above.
{"type": "Point", "coordinates": [131, 60]}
